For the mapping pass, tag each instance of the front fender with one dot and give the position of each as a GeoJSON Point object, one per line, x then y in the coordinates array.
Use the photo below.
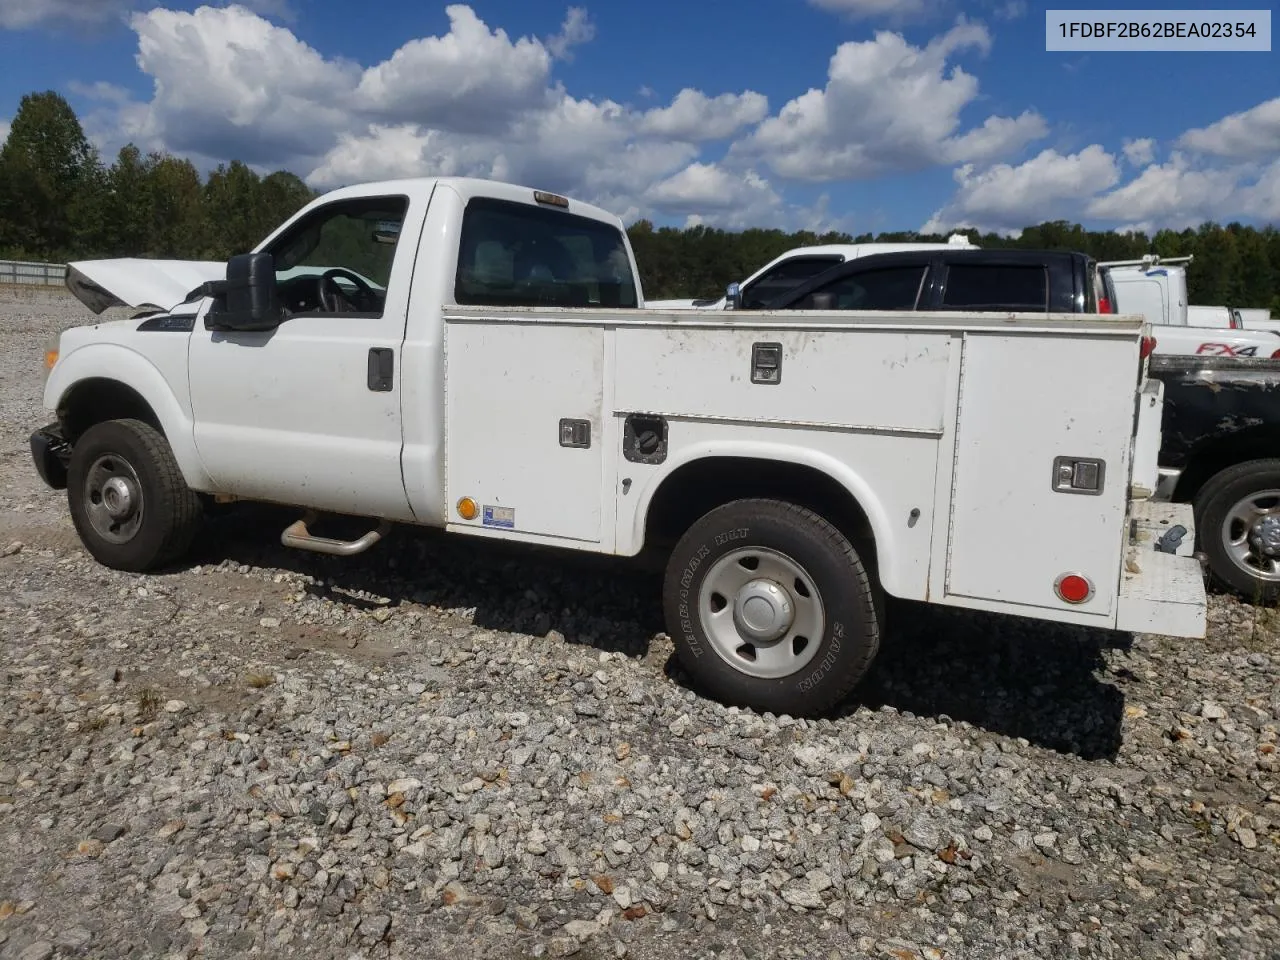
{"type": "Point", "coordinates": [110, 361]}
{"type": "Point", "coordinates": [892, 563]}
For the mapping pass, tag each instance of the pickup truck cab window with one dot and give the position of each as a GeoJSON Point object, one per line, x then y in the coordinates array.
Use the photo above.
{"type": "Point", "coordinates": [338, 258]}
{"type": "Point", "coordinates": [515, 254]}
{"type": "Point", "coordinates": [1011, 286]}
{"type": "Point", "coordinates": [785, 276]}
{"type": "Point", "coordinates": [884, 288]}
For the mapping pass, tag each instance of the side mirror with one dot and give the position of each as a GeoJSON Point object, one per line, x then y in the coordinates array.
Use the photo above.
{"type": "Point", "coordinates": [247, 299]}
{"type": "Point", "coordinates": [733, 297]}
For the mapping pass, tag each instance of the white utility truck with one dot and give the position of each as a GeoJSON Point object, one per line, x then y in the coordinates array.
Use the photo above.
{"type": "Point", "coordinates": [504, 379]}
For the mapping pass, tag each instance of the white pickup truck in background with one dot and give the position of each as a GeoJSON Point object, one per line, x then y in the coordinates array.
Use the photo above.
{"type": "Point", "coordinates": [1156, 288]}
{"type": "Point", "coordinates": [478, 357]}
{"type": "Point", "coordinates": [799, 264]}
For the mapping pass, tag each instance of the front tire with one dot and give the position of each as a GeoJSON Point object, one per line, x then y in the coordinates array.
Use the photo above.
{"type": "Point", "coordinates": [1238, 525]}
{"type": "Point", "coordinates": [770, 607]}
{"type": "Point", "coordinates": [129, 503]}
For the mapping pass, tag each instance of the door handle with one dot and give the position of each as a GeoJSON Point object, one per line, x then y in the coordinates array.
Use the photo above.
{"type": "Point", "coordinates": [382, 365]}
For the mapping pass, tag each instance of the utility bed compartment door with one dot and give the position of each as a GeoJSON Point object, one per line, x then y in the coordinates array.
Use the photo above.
{"type": "Point", "coordinates": [508, 387]}
{"type": "Point", "coordinates": [1026, 401]}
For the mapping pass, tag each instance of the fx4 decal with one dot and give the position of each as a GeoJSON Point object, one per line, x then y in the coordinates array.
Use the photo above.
{"type": "Point", "coordinates": [1226, 350]}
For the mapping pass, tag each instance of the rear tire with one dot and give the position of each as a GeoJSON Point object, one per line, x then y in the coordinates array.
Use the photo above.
{"type": "Point", "coordinates": [129, 503]}
{"type": "Point", "coordinates": [770, 607]}
{"type": "Point", "coordinates": [1239, 533]}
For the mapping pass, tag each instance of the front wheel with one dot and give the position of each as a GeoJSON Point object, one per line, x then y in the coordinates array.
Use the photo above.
{"type": "Point", "coordinates": [1238, 525]}
{"type": "Point", "coordinates": [770, 607]}
{"type": "Point", "coordinates": [129, 503]}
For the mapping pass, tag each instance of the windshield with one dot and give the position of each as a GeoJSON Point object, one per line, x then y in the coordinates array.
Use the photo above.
{"type": "Point", "coordinates": [514, 254]}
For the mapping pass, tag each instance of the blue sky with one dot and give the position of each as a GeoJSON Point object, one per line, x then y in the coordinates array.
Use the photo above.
{"type": "Point", "coordinates": [861, 115]}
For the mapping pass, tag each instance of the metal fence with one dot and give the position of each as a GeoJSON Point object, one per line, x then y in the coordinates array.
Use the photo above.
{"type": "Point", "coordinates": [33, 274]}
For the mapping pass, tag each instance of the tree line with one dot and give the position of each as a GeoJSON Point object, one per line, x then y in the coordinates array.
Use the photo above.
{"type": "Point", "coordinates": [59, 201]}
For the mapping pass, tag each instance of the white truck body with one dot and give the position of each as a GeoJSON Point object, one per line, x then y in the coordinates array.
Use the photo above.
{"type": "Point", "coordinates": [1156, 289]}
{"type": "Point", "coordinates": [813, 260]}
{"type": "Point", "coordinates": [943, 437]}
{"type": "Point", "coordinates": [1256, 318]}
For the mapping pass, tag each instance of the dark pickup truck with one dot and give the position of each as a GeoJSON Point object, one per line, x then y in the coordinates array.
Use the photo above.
{"type": "Point", "coordinates": [1220, 451]}
{"type": "Point", "coordinates": [1023, 281]}
{"type": "Point", "coordinates": [1220, 447]}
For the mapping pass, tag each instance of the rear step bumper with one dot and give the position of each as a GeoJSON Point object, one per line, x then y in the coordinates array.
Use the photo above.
{"type": "Point", "coordinates": [1161, 593]}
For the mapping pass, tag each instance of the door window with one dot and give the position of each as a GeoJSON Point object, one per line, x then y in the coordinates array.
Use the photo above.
{"type": "Point", "coordinates": [787, 275]}
{"type": "Point", "coordinates": [887, 288]}
{"type": "Point", "coordinates": [338, 259]}
{"type": "Point", "coordinates": [997, 287]}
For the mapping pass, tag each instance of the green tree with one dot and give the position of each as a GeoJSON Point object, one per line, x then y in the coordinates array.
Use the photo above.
{"type": "Point", "coordinates": [50, 181]}
{"type": "Point", "coordinates": [130, 204]}
{"type": "Point", "coordinates": [281, 195]}
{"type": "Point", "coordinates": [231, 197]}
{"type": "Point", "coordinates": [179, 226]}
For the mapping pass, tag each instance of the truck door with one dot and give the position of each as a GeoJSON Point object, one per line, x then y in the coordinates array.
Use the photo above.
{"type": "Point", "coordinates": [309, 412]}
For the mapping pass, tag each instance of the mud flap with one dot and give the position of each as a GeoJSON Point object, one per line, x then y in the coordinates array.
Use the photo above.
{"type": "Point", "coordinates": [1161, 592]}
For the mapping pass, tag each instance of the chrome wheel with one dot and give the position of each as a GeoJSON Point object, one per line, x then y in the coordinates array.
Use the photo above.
{"type": "Point", "coordinates": [113, 498]}
{"type": "Point", "coordinates": [1251, 534]}
{"type": "Point", "coordinates": [762, 612]}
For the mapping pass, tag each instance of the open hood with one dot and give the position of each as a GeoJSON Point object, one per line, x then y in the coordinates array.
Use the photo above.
{"type": "Point", "coordinates": [137, 282]}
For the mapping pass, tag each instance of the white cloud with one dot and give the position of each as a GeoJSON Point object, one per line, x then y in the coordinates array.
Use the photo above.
{"type": "Point", "coordinates": [694, 116]}
{"type": "Point", "coordinates": [4, 131]}
{"type": "Point", "coordinates": [576, 30]}
{"type": "Point", "coordinates": [1173, 194]}
{"type": "Point", "coordinates": [1139, 153]}
{"type": "Point", "coordinates": [997, 137]}
{"type": "Point", "coordinates": [1252, 134]}
{"type": "Point", "coordinates": [709, 191]}
{"type": "Point", "coordinates": [1007, 198]}
{"type": "Point", "coordinates": [23, 14]}
{"type": "Point", "coordinates": [472, 78]}
{"type": "Point", "coordinates": [473, 101]}
{"type": "Point", "coordinates": [228, 83]}
{"type": "Point", "coordinates": [887, 106]}
{"type": "Point", "coordinates": [1262, 199]}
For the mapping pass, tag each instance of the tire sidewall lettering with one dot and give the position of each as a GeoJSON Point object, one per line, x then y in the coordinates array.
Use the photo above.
{"type": "Point", "coordinates": [682, 607]}
{"type": "Point", "coordinates": [829, 658]}
{"type": "Point", "coordinates": [729, 536]}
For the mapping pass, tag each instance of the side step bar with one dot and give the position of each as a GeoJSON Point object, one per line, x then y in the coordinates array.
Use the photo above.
{"type": "Point", "coordinates": [297, 535]}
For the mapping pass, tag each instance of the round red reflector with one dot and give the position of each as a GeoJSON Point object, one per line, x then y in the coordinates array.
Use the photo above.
{"type": "Point", "coordinates": [1074, 588]}
{"type": "Point", "coordinates": [1148, 346]}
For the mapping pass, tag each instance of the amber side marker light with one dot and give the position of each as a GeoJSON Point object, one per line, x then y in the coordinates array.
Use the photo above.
{"type": "Point", "coordinates": [1073, 588]}
{"type": "Point", "coordinates": [50, 358]}
{"type": "Point", "coordinates": [468, 509]}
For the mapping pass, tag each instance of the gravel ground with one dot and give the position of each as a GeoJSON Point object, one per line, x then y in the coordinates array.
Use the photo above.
{"type": "Point", "coordinates": [458, 749]}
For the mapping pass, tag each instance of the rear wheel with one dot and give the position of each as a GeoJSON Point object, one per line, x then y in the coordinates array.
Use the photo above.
{"type": "Point", "coordinates": [128, 501]}
{"type": "Point", "coordinates": [770, 607]}
{"type": "Point", "coordinates": [1238, 525]}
